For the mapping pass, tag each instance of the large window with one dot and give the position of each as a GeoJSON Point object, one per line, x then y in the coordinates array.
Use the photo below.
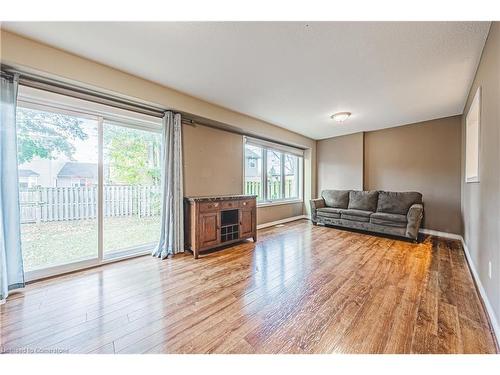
{"type": "Point", "coordinates": [272, 172]}
{"type": "Point", "coordinates": [89, 182]}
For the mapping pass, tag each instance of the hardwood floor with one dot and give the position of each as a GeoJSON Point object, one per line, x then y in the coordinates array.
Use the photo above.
{"type": "Point", "coordinates": [300, 289]}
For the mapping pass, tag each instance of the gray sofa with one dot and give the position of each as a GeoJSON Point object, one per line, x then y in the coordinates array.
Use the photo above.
{"type": "Point", "coordinates": [387, 212]}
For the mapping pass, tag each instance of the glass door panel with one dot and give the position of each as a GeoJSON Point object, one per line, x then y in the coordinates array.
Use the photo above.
{"type": "Point", "coordinates": [274, 166]}
{"type": "Point", "coordinates": [291, 176]}
{"type": "Point", "coordinates": [253, 171]}
{"type": "Point", "coordinates": [58, 179]}
{"type": "Point", "coordinates": [131, 191]}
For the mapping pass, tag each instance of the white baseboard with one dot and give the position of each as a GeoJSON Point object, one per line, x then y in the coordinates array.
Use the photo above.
{"type": "Point", "coordinates": [489, 309]}
{"type": "Point", "coordinates": [282, 221]}
{"type": "Point", "coordinates": [438, 233]}
{"type": "Point", "coordinates": [482, 292]}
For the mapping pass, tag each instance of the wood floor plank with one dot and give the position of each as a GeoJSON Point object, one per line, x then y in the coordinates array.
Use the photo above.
{"type": "Point", "coordinates": [299, 289]}
{"type": "Point", "coordinates": [449, 333]}
{"type": "Point", "coordinates": [424, 338]}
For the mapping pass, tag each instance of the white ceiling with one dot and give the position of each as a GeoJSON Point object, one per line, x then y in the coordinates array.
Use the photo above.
{"type": "Point", "coordinates": [292, 74]}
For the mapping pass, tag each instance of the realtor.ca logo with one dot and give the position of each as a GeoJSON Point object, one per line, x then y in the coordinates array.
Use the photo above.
{"type": "Point", "coordinates": [28, 350]}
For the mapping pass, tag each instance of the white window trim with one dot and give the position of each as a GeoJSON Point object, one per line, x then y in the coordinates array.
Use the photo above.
{"type": "Point", "coordinates": [265, 145]}
{"type": "Point", "coordinates": [58, 270]}
{"type": "Point", "coordinates": [279, 202]}
{"type": "Point", "coordinates": [473, 122]}
{"type": "Point", "coordinates": [39, 99]}
{"type": "Point", "coordinates": [275, 146]}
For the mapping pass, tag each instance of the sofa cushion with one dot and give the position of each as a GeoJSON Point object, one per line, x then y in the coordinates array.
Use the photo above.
{"type": "Point", "coordinates": [353, 212]}
{"type": "Point", "coordinates": [397, 202]}
{"type": "Point", "coordinates": [355, 218]}
{"type": "Point", "coordinates": [356, 215]}
{"type": "Point", "coordinates": [336, 198]}
{"type": "Point", "coordinates": [393, 220]}
{"type": "Point", "coordinates": [363, 200]}
{"type": "Point", "coordinates": [329, 212]}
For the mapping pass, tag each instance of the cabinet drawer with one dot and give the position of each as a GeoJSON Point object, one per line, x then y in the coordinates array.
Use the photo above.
{"type": "Point", "coordinates": [247, 203]}
{"type": "Point", "coordinates": [209, 206]}
{"type": "Point", "coordinates": [229, 204]}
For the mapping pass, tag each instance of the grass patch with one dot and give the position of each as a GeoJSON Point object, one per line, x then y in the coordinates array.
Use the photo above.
{"type": "Point", "coordinates": [54, 243]}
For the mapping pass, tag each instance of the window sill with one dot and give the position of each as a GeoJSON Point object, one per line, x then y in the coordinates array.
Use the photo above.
{"type": "Point", "coordinates": [279, 203]}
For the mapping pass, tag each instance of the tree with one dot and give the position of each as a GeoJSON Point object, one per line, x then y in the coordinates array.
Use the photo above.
{"type": "Point", "coordinates": [46, 134]}
{"type": "Point", "coordinates": [133, 155]}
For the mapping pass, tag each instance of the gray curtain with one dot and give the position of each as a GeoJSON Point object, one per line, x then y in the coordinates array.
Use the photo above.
{"type": "Point", "coordinates": [11, 260]}
{"type": "Point", "coordinates": [172, 218]}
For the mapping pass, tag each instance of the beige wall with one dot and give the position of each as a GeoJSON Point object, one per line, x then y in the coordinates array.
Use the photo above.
{"type": "Point", "coordinates": [423, 157]}
{"type": "Point", "coordinates": [24, 53]}
{"type": "Point", "coordinates": [273, 213]}
{"type": "Point", "coordinates": [208, 170]}
{"type": "Point", "coordinates": [481, 201]}
{"type": "Point", "coordinates": [340, 162]}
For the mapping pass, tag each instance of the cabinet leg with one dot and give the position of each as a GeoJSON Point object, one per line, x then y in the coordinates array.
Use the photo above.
{"type": "Point", "coordinates": [195, 253]}
{"type": "Point", "coordinates": [254, 238]}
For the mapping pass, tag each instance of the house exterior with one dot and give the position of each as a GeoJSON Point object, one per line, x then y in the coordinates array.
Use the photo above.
{"type": "Point", "coordinates": [251, 163]}
{"type": "Point", "coordinates": [28, 178]}
{"type": "Point", "coordinates": [75, 174]}
{"type": "Point", "coordinates": [57, 173]}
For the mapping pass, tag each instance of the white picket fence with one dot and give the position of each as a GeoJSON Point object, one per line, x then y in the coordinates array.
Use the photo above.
{"type": "Point", "coordinates": [80, 203]}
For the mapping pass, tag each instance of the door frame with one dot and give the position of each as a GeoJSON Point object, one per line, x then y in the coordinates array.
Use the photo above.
{"type": "Point", "coordinates": [83, 112]}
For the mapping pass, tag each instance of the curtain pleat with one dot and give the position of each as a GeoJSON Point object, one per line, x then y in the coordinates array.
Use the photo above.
{"type": "Point", "coordinates": [11, 260]}
{"type": "Point", "coordinates": [172, 217]}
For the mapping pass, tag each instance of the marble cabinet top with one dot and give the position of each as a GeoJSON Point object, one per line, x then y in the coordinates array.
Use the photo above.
{"type": "Point", "coordinates": [213, 198]}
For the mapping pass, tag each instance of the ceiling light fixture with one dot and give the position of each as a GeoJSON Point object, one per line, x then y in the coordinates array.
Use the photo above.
{"type": "Point", "coordinates": [340, 116]}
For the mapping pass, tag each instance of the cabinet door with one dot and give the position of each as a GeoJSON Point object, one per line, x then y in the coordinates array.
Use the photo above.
{"type": "Point", "coordinates": [247, 222]}
{"type": "Point", "coordinates": [209, 229]}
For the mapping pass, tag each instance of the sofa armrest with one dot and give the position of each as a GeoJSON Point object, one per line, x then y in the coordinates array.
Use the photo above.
{"type": "Point", "coordinates": [414, 217]}
{"type": "Point", "coordinates": [315, 204]}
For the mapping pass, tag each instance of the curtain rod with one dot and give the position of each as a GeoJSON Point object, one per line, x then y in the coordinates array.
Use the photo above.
{"type": "Point", "coordinates": [79, 92]}
{"type": "Point", "coordinates": [58, 87]}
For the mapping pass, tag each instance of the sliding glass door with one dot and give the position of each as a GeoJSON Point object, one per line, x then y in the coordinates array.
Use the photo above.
{"type": "Point", "coordinates": [131, 194]}
{"type": "Point", "coordinates": [58, 186]}
{"type": "Point", "coordinates": [89, 183]}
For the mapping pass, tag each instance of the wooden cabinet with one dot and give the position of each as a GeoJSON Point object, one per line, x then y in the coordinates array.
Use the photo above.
{"type": "Point", "coordinates": [247, 222]}
{"type": "Point", "coordinates": [215, 221]}
{"type": "Point", "coordinates": [209, 229]}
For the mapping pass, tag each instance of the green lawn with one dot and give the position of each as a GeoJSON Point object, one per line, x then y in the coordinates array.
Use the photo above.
{"type": "Point", "coordinates": [53, 243]}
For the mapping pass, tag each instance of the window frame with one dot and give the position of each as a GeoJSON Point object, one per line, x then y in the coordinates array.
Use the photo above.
{"type": "Point", "coordinates": [101, 113]}
{"type": "Point", "coordinates": [263, 178]}
{"type": "Point", "coordinates": [473, 139]}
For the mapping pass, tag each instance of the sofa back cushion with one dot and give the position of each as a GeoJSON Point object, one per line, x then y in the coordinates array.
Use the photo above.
{"type": "Point", "coordinates": [336, 198]}
{"type": "Point", "coordinates": [363, 200]}
{"type": "Point", "coordinates": [397, 202]}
